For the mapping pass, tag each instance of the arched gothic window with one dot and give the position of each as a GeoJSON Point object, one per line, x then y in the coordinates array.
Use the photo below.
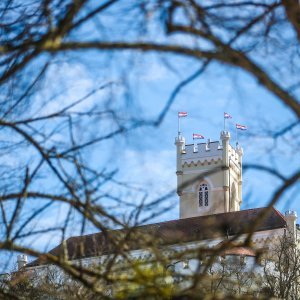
{"type": "Point", "coordinates": [203, 195]}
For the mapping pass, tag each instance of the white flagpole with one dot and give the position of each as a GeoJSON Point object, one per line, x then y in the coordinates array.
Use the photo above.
{"type": "Point", "coordinates": [194, 145]}
{"type": "Point", "coordinates": [178, 126]}
{"type": "Point", "coordinates": [224, 123]}
{"type": "Point", "coordinates": [236, 130]}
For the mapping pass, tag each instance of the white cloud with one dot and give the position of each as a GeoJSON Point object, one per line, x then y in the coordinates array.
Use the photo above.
{"type": "Point", "coordinates": [151, 169]}
{"type": "Point", "coordinates": [70, 82]}
{"type": "Point", "coordinates": [153, 72]}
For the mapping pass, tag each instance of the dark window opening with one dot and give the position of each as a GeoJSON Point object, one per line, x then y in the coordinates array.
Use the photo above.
{"type": "Point", "coordinates": [203, 195]}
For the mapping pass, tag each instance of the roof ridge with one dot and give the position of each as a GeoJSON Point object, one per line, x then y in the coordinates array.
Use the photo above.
{"type": "Point", "coordinates": [278, 212]}
{"type": "Point", "coordinates": [175, 221]}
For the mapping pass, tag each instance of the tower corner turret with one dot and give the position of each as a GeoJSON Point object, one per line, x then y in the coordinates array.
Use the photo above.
{"type": "Point", "coordinates": [180, 149]}
{"type": "Point", "coordinates": [291, 218]}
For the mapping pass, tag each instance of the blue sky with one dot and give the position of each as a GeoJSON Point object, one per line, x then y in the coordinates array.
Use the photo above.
{"type": "Point", "coordinates": [145, 157]}
{"type": "Point", "coordinates": [138, 86]}
{"type": "Point", "coordinates": [219, 89]}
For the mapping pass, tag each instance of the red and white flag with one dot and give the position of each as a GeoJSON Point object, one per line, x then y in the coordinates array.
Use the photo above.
{"type": "Point", "coordinates": [227, 116]}
{"type": "Point", "coordinates": [241, 127]}
{"type": "Point", "coordinates": [197, 136]}
{"type": "Point", "coordinates": [182, 114]}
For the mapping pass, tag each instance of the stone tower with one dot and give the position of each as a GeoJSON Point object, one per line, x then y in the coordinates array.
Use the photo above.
{"type": "Point", "coordinates": [209, 177]}
{"type": "Point", "coordinates": [291, 217]}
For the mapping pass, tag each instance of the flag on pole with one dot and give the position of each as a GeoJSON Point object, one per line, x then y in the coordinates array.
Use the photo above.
{"type": "Point", "coordinates": [182, 114]}
{"type": "Point", "coordinates": [227, 116]}
{"type": "Point", "coordinates": [197, 136]}
{"type": "Point", "coordinates": [241, 127]}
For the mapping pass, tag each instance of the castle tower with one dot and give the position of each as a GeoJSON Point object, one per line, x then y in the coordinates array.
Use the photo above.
{"type": "Point", "coordinates": [291, 218]}
{"type": "Point", "coordinates": [209, 177]}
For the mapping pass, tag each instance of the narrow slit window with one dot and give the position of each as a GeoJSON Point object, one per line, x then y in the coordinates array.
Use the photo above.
{"type": "Point", "coordinates": [200, 199]}
{"type": "Point", "coordinates": [203, 195]}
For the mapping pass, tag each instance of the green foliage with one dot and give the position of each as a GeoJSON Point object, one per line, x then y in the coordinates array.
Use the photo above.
{"type": "Point", "coordinates": [150, 280]}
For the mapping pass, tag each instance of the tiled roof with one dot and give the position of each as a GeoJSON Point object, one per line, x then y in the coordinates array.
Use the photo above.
{"type": "Point", "coordinates": [168, 233]}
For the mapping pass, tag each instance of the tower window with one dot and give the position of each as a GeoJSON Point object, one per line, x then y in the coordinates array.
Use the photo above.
{"type": "Point", "coordinates": [203, 195]}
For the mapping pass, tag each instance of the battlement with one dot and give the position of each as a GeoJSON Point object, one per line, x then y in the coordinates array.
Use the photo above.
{"type": "Point", "coordinates": [22, 261]}
{"type": "Point", "coordinates": [202, 150]}
{"type": "Point", "coordinates": [235, 153]}
{"type": "Point", "coordinates": [291, 213]}
{"type": "Point", "coordinates": [209, 150]}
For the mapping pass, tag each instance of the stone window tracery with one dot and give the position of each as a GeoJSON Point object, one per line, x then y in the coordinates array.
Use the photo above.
{"type": "Point", "coordinates": [203, 195]}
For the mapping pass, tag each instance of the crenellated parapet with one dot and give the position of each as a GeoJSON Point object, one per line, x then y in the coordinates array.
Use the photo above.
{"type": "Point", "coordinates": [200, 153]}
